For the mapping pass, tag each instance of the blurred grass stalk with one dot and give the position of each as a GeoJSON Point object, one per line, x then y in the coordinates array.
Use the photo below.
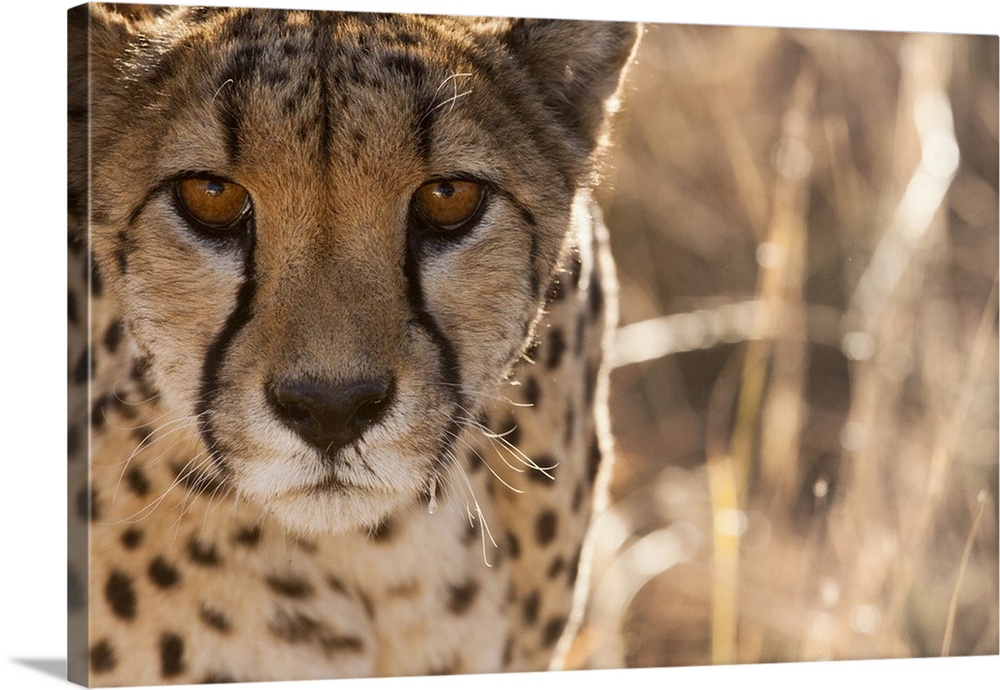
{"type": "Point", "coordinates": [877, 536]}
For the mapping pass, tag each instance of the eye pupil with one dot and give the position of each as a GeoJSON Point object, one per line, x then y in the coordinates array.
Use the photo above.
{"type": "Point", "coordinates": [215, 188]}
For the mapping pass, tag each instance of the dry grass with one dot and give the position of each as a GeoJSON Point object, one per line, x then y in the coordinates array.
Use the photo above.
{"type": "Point", "coordinates": [805, 401]}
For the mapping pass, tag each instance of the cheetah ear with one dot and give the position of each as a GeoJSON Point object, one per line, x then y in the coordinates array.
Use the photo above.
{"type": "Point", "coordinates": [99, 34]}
{"type": "Point", "coordinates": [578, 66]}
{"type": "Point", "coordinates": [95, 37]}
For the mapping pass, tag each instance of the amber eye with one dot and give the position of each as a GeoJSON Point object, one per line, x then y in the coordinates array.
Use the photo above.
{"type": "Point", "coordinates": [449, 204]}
{"type": "Point", "coordinates": [216, 204]}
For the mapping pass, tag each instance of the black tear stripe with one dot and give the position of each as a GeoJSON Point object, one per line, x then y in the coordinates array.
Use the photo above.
{"type": "Point", "coordinates": [216, 353]}
{"type": "Point", "coordinates": [447, 356]}
{"type": "Point", "coordinates": [529, 218]}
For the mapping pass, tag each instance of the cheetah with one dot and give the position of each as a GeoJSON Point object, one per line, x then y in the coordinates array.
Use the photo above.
{"type": "Point", "coordinates": [338, 298]}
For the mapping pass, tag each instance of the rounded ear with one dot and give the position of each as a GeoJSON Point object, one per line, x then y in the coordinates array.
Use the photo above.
{"type": "Point", "coordinates": [95, 38]}
{"type": "Point", "coordinates": [578, 65]}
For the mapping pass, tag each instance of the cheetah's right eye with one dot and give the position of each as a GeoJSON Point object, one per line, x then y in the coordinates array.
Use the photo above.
{"type": "Point", "coordinates": [214, 204]}
{"type": "Point", "coordinates": [447, 205]}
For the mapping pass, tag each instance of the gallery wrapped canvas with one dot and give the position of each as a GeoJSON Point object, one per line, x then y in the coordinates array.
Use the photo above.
{"type": "Point", "coordinates": [356, 388]}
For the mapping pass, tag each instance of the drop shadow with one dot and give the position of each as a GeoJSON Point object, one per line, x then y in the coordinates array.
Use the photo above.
{"type": "Point", "coordinates": [50, 667]}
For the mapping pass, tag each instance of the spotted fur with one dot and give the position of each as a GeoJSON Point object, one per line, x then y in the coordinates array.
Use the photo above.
{"type": "Point", "coordinates": [447, 534]}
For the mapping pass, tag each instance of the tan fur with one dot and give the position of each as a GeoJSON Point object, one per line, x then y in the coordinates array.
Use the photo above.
{"type": "Point", "coordinates": [222, 544]}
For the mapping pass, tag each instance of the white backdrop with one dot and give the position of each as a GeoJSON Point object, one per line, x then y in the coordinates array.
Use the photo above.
{"type": "Point", "coordinates": [32, 480]}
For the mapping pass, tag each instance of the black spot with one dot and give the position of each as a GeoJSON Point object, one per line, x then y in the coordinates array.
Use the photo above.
{"type": "Point", "coordinates": [513, 545]}
{"type": "Point", "coordinates": [215, 619]}
{"type": "Point", "coordinates": [461, 597]}
{"type": "Point", "coordinates": [473, 460]}
{"type": "Point", "coordinates": [120, 595]}
{"type": "Point", "coordinates": [96, 282]}
{"type": "Point", "coordinates": [594, 460]}
{"type": "Point", "coordinates": [366, 602]}
{"type": "Point", "coordinates": [574, 568]}
{"type": "Point", "coordinates": [72, 440]}
{"type": "Point", "coordinates": [76, 590]}
{"type": "Point", "coordinates": [102, 657]}
{"type": "Point", "coordinates": [557, 566]}
{"type": "Point", "coordinates": [298, 628]}
{"type": "Point", "coordinates": [87, 507]}
{"type": "Point", "coordinates": [570, 422]}
{"type": "Point", "coordinates": [137, 482]}
{"type": "Point", "coordinates": [546, 461]}
{"type": "Point", "coordinates": [75, 243]}
{"type": "Point", "coordinates": [513, 433]}
{"type": "Point", "coordinates": [589, 384]}
{"type": "Point", "coordinates": [596, 297]}
{"type": "Point", "coordinates": [217, 677]}
{"type": "Point", "coordinates": [83, 369]}
{"type": "Point", "coordinates": [449, 670]}
{"type": "Point", "coordinates": [529, 610]}
{"type": "Point", "coordinates": [74, 198]}
{"type": "Point", "coordinates": [581, 334]}
{"type": "Point", "coordinates": [124, 248]}
{"type": "Point", "coordinates": [545, 528]}
{"type": "Point", "coordinates": [171, 655]}
{"type": "Point", "coordinates": [407, 38]}
{"type": "Point", "coordinates": [140, 374]}
{"type": "Point", "coordinates": [508, 651]}
{"type": "Point", "coordinates": [113, 336]}
{"type": "Point", "coordinates": [471, 532]}
{"type": "Point", "coordinates": [406, 65]}
{"type": "Point", "coordinates": [577, 498]}
{"type": "Point", "coordinates": [531, 392]}
{"type": "Point", "coordinates": [98, 417]}
{"type": "Point", "coordinates": [305, 544]}
{"type": "Point", "coordinates": [248, 536]}
{"type": "Point", "coordinates": [336, 584]}
{"type": "Point", "coordinates": [132, 538]}
{"type": "Point", "coordinates": [202, 554]}
{"type": "Point", "coordinates": [73, 314]}
{"type": "Point", "coordinates": [557, 346]}
{"type": "Point", "coordinates": [383, 531]}
{"type": "Point", "coordinates": [292, 587]}
{"type": "Point", "coordinates": [162, 573]}
{"type": "Point", "coordinates": [553, 629]}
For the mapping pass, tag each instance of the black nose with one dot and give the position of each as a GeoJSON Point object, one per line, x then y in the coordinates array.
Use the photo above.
{"type": "Point", "coordinates": [331, 415]}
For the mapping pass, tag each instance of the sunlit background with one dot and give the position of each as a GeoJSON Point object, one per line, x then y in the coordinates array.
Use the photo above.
{"type": "Point", "coordinates": [805, 392]}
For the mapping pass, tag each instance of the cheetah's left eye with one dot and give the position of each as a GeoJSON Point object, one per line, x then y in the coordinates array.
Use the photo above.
{"type": "Point", "coordinates": [448, 204]}
{"type": "Point", "coordinates": [216, 205]}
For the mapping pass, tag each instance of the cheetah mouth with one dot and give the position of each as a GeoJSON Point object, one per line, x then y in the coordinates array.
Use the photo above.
{"type": "Point", "coordinates": [333, 505]}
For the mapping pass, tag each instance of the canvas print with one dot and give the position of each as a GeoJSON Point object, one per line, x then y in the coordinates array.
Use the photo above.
{"type": "Point", "coordinates": [409, 345]}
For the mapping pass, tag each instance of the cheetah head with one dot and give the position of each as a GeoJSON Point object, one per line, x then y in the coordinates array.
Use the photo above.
{"type": "Point", "coordinates": [329, 236]}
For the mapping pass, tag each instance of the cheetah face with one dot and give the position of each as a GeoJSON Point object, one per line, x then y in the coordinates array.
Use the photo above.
{"type": "Point", "coordinates": [333, 251]}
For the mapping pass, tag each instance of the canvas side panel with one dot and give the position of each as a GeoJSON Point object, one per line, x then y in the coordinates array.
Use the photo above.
{"type": "Point", "coordinates": [78, 351]}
